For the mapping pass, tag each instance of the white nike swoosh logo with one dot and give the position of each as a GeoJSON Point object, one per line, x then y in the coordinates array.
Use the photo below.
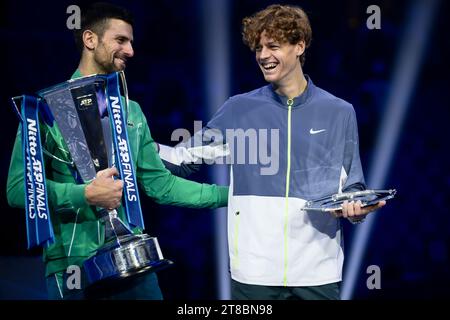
{"type": "Point", "coordinates": [316, 131]}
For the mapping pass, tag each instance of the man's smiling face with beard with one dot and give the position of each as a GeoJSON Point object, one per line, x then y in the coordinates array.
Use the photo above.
{"type": "Point", "coordinates": [115, 47]}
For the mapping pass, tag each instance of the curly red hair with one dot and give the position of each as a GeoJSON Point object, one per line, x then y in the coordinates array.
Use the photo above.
{"type": "Point", "coordinates": [282, 23]}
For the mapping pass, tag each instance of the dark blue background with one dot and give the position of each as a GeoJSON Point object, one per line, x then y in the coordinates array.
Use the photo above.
{"type": "Point", "coordinates": [411, 238]}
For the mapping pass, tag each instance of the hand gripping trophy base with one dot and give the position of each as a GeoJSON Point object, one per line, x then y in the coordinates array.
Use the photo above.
{"type": "Point", "coordinates": [123, 254]}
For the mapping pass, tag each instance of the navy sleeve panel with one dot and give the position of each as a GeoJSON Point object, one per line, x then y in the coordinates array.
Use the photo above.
{"type": "Point", "coordinates": [352, 162]}
{"type": "Point", "coordinates": [183, 170]}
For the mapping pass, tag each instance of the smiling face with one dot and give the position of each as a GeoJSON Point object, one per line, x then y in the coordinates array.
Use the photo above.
{"type": "Point", "coordinates": [114, 48]}
{"type": "Point", "coordinates": [279, 62]}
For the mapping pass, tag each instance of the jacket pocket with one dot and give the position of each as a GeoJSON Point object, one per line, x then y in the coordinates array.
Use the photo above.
{"type": "Point", "coordinates": [235, 244]}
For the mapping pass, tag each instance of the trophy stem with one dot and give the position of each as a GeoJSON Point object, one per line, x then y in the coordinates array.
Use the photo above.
{"type": "Point", "coordinates": [114, 227]}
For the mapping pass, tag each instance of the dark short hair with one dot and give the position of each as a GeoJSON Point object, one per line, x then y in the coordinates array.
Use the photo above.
{"type": "Point", "coordinates": [283, 23]}
{"type": "Point", "coordinates": [95, 18]}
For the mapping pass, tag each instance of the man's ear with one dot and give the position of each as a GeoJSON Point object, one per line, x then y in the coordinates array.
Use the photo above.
{"type": "Point", "coordinates": [90, 39]}
{"type": "Point", "coordinates": [300, 48]}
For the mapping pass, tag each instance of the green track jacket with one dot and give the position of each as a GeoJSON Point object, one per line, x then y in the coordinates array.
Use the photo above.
{"type": "Point", "coordinates": [78, 232]}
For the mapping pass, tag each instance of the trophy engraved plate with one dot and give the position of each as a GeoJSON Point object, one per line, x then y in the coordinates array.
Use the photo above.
{"type": "Point", "coordinates": [87, 109]}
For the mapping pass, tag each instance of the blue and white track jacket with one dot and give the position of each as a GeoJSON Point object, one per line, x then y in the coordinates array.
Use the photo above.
{"type": "Point", "coordinates": [283, 153]}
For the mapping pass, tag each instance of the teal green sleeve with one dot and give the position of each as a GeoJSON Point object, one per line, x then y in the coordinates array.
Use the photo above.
{"type": "Point", "coordinates": [68, 196]}
{"type": "Point", "coordinates": [165, 188]}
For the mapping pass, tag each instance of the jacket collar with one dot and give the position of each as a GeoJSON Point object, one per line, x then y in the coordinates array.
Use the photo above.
{"type": "Point", "coordinates": [299, 100]}
{"type": "Point", "coordinates": [76, 74]}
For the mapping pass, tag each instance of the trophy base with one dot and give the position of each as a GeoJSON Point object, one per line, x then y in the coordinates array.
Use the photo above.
{"type": "Point", "coordinates": [124, 257]}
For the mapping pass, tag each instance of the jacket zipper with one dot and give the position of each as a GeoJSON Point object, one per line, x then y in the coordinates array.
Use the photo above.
{"type": "Point", "coordinates": [290, 102]}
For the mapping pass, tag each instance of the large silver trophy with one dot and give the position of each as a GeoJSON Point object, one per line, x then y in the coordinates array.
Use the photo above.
{"type": "Point", "coordinates": [82, 110]}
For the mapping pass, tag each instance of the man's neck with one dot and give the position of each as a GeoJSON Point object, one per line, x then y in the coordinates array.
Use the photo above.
{"type": "Point", "coordinates": [293, 87]}
{"type": "Point", "coordinates": [88, 67]}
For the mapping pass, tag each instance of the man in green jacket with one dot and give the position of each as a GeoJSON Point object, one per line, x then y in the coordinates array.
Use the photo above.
{"type": "Point", "coordinates": [105, 41]}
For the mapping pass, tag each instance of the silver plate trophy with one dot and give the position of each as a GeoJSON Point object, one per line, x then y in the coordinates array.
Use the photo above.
{"type": "Point", "coordinates": [80, 110]}
{"type": "Point", "coordinates": [335, 201]}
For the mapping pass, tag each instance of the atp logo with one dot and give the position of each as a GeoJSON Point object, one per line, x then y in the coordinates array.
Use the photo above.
{"type": "Point", "coordinates": [86, 102]}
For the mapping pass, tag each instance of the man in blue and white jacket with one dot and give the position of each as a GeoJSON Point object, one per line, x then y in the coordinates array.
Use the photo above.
{"type": "Point", "coordinates": [277, 250]}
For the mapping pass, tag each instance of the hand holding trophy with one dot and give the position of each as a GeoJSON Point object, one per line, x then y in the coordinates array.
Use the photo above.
{"type": "Point", "coordinates": [338, 204]}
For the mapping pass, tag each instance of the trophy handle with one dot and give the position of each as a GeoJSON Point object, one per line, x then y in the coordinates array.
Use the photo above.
{"type": "Point", "coordinates": [19, 115]}
{"type": "Point", "coordinates": [125, 90]}
{"type": "Point", "coordinates": [16, 108]}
